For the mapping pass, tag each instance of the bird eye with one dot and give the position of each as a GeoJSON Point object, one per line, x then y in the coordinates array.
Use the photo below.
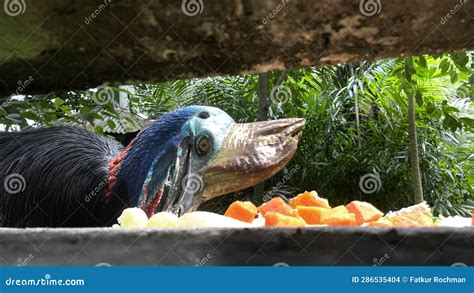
{"type": "Point", "coordinates": [203, 146]}
{"type": "Point", "coordinates": [204, 115]}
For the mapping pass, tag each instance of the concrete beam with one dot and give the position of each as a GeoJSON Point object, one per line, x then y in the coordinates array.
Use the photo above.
{"type": "Point", "coordinates": [309, 246]}
{"type": "Point", "coordinates": [70, 45]}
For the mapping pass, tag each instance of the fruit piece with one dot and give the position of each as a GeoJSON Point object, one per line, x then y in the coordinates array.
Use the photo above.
{"type": "Point", "coordinates": [273, 219]}
{"type": "Point", "coordinates": [242, 210]}
{"type": "Point", "coordinates": [277, 205]}
{"type": "Point", "coordinates": [311, 215]}
{"type": "Point", "coordinates": [209, 220]}
{"type": "Point", "coordinates": [338, 216]}
{"type": "Point", "coordinates": [382, 222]}
{"type": "Point", "coordinates": [164, 220]}
{"type": "Point", "coordinates": [415, 216]}
{"type": "Point", "coordinates": [364, 212]}
{"type": "Point", "coordinates": [133, 218]}
{"type": "Point", "coordinates": [258, 222]}
{"type": "Point", "coordinates": [453, 221]}
{"type": "Point", "coordinates": [310, 199]}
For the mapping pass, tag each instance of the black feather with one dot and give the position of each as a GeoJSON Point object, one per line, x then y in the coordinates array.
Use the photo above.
{"type": "Point", "coordinates": [61, 173]}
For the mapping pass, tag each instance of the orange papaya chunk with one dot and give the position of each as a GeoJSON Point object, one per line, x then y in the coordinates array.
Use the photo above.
{"type": "Point", "coordinates": [338, 216]}
{"type": "Point", "coordinates": [244, 211]}
{"type": "Point", "coordinates": [364, 212]}
{"type": "Point", "coordinates": [310, 199]}
{"type": "Point", "coordinates": [273, 219]}
{"type": "Point", "coordinates": [276, 205]}
{"type": "Point", "coordinates": [311, 215]}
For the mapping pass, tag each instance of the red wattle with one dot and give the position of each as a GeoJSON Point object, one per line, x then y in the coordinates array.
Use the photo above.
{"type": "Point", "coordinates": [154, 203]}
{"type": "Point", "coordinates": [114, 166]}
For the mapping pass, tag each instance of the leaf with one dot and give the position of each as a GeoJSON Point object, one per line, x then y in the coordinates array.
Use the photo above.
{"type": "Point", "coordinates": [468, 121]}
{"type": "Point", "coordinates": [13, 117]}
{"type": "Point", "coordinates": [444, 65]}
{"type": "Point", "coordinates": [422, 61]}
{"type": "Point", "coordinates": [409, 70]}
{"type": "Point", "coordinates": [99, 129]}
{"type": "Point", "coordinates": [30, 115]}
{"type": "Point", "coordinates": [48, 117]}
{"type": "Point", "coordinates": [430, 108]}
{"type": "Point", "coordinates": [58, 102]}
{"type": "Point", "coordinates": [419, 98]}
{"type": "Point", "coordinates": [111, 124]}
{"type": "Point", "coordinates": [450, 123]}
{"type": "Point", "coordinates": [461, 59]}
{"type": "Point", "coordinates": [453, 76]}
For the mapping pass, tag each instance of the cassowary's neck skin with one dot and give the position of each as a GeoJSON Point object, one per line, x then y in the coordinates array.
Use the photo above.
{"type": "Point", "coordinates": [151, 154]}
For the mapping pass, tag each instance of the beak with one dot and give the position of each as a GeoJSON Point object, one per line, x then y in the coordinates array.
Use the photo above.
{"type": "Point", "coordinates": [180, 199]}
{"type": "Point", "coordinates": [251, 153]}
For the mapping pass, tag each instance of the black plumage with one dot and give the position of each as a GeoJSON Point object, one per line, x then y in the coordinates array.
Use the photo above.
{"type": "Point", "coordinates": [60, 170]}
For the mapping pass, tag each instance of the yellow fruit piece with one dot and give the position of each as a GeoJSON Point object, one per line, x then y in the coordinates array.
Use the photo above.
{"type": "Point", "coordinates": [338, 216]}
{"type": "Point", "coordinates": [279, 220]}
{"type": "Point", "coordinates": [382, 222]}
{"type": "Point", "coordinates": [311, 215]}
{"type": "Point", "coordinates": [133, 218]}
{"type": "Point", "coordinates": [364, 212]}
{"type": "Point", "coordinates": [201, 219]}
{"type": "Point", "coordinates": [309, 199]}
{"type": "Point", "coordinates": [415, 216]}
{"type": "Point", "coordinates": [165, 220]}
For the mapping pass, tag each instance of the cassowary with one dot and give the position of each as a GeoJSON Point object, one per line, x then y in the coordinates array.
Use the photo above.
{"type": "Point", "coordinates": [70, 177]}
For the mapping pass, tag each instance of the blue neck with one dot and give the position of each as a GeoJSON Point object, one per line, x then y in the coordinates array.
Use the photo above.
{"type": "Point", "coordinates": [151, 154]}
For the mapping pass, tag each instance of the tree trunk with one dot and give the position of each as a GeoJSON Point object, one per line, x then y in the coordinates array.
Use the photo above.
{"type": "Point", "coordinates": [414, 159]}
{"type": "Point", "coordinates": [263, 104]}
{"type": "Point", "coordinates": [356, 107]}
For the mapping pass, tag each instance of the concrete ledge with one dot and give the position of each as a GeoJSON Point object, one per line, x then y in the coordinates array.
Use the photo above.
{"type": "Point", "coordinates": [309, 246]}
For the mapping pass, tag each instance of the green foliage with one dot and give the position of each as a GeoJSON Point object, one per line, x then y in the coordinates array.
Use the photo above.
{"type": "Point", "coordinates": [356, 124]}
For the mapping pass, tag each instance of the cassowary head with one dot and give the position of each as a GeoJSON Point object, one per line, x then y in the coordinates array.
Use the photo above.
{"type": "Point", "coordinates": [196, 153]}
